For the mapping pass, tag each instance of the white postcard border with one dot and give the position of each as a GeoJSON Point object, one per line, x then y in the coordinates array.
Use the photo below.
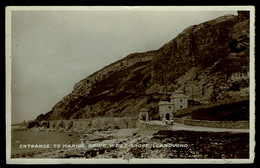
{"type": "Point", "coordinates": [10, 160]}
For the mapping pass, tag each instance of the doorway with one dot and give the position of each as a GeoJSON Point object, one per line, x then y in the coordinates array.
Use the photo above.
{"type": "Point", "coordinates": [167, 116]}
{"type": "Point", "coordinates": [144, 118]}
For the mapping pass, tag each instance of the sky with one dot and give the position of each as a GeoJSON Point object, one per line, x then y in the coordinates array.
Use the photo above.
{"type": "Point", "coordinates": [53, 50]}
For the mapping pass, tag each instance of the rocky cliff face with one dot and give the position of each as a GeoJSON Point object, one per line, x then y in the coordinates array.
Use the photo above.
{"type": "Point", "coordinates": [209, 61]}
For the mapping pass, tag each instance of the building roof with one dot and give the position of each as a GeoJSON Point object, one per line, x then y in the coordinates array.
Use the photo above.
{"type": "Point", "coordinates": [165, 103]}
{"type": "Point", "coordinates": [144, 110]}
{"type": "Point", "coordinates": [179, 94]}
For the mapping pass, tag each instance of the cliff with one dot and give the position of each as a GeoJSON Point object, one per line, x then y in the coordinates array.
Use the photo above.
{"type": "Point", "coordinates": [209, 62]}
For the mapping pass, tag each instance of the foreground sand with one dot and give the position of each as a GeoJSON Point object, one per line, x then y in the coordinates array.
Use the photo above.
{"type": "Point", "coordinates": [129, 143]}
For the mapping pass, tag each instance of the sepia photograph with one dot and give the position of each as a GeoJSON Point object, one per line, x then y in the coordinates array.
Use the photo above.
{"type": "Point", "coordinates": [130, 84]}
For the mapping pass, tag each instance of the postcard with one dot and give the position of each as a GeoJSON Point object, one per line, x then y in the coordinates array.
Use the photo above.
{"type": "Point", "coordinates": [130, 84]}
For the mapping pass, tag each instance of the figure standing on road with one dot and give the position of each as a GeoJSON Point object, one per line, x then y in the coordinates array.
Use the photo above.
{"type": "Point", "coordinates": [172, 122]}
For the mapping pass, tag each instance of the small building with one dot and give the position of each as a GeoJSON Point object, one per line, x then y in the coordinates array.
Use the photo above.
{"type": "Point", "coordinates": [166, 110]}
{"type": "Point", "coordinates": [177, 101]}
{"type": "Point", "coordinates": [143, 115]}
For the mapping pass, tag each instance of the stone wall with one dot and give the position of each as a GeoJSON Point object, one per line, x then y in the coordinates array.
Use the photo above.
{"type": "Point", "coordinates": [214, 124]}
{"type": "Point", "coordinates": [177, 120]}
{"type": "Point", "coordinates": [151, 126]}
{"type": "Point", "coordinates": [120, 122]}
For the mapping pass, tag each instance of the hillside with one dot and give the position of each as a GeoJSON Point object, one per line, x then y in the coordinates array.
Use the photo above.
{"type": "Point", "coordinates": [228, 111]}
{"type": "Point", "coordinates": [209, 61]}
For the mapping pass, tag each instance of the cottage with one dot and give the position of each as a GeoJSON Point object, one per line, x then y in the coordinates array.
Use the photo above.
{"type": "Point", "coordinates": [177, 101]}
{"type": "Point", "coordinates": [166, 110]}
{"type": "Point", "coordinates": [144, 115]}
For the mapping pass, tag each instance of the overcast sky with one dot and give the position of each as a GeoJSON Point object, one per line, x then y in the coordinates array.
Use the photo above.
{"type": "Point", "coordinates": [53, 50]}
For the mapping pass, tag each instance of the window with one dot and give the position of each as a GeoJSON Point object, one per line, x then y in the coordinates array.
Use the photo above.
{"type": "Point", "coordinates": [181, 100]}
{"type": "Point", "coordinates": [170, 107]}
{"type": "Point", "coordinates": [180, 106]}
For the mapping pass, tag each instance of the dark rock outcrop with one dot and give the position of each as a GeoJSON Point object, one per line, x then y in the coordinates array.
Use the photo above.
{"type": "Point", "coordinates": [205, 60]}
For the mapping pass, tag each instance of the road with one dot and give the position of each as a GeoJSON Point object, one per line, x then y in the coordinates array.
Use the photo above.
{"type": "Point", "coordinates": [178, 126]}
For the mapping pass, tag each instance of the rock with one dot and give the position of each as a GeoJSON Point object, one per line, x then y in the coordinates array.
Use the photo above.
{"type": "Point", "coordinates": [116, 127]}
{"type": "Point", "coordinates": [243, 15]}
{"type": "Point", "coordinates": [202, 55]}
{"type": "Point", "coordinates": [33, 124]}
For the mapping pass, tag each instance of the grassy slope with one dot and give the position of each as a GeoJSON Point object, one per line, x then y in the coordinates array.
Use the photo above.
{"type": "Point", "coordinates": [224, 112]}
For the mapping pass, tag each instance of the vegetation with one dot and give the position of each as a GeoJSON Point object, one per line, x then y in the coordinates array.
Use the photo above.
{"type": "Point", "coordinates": [228, 110]}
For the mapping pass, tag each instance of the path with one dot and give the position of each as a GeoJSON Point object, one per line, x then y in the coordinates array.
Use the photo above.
{"type": "Point", "coordinates": [178, 126]}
